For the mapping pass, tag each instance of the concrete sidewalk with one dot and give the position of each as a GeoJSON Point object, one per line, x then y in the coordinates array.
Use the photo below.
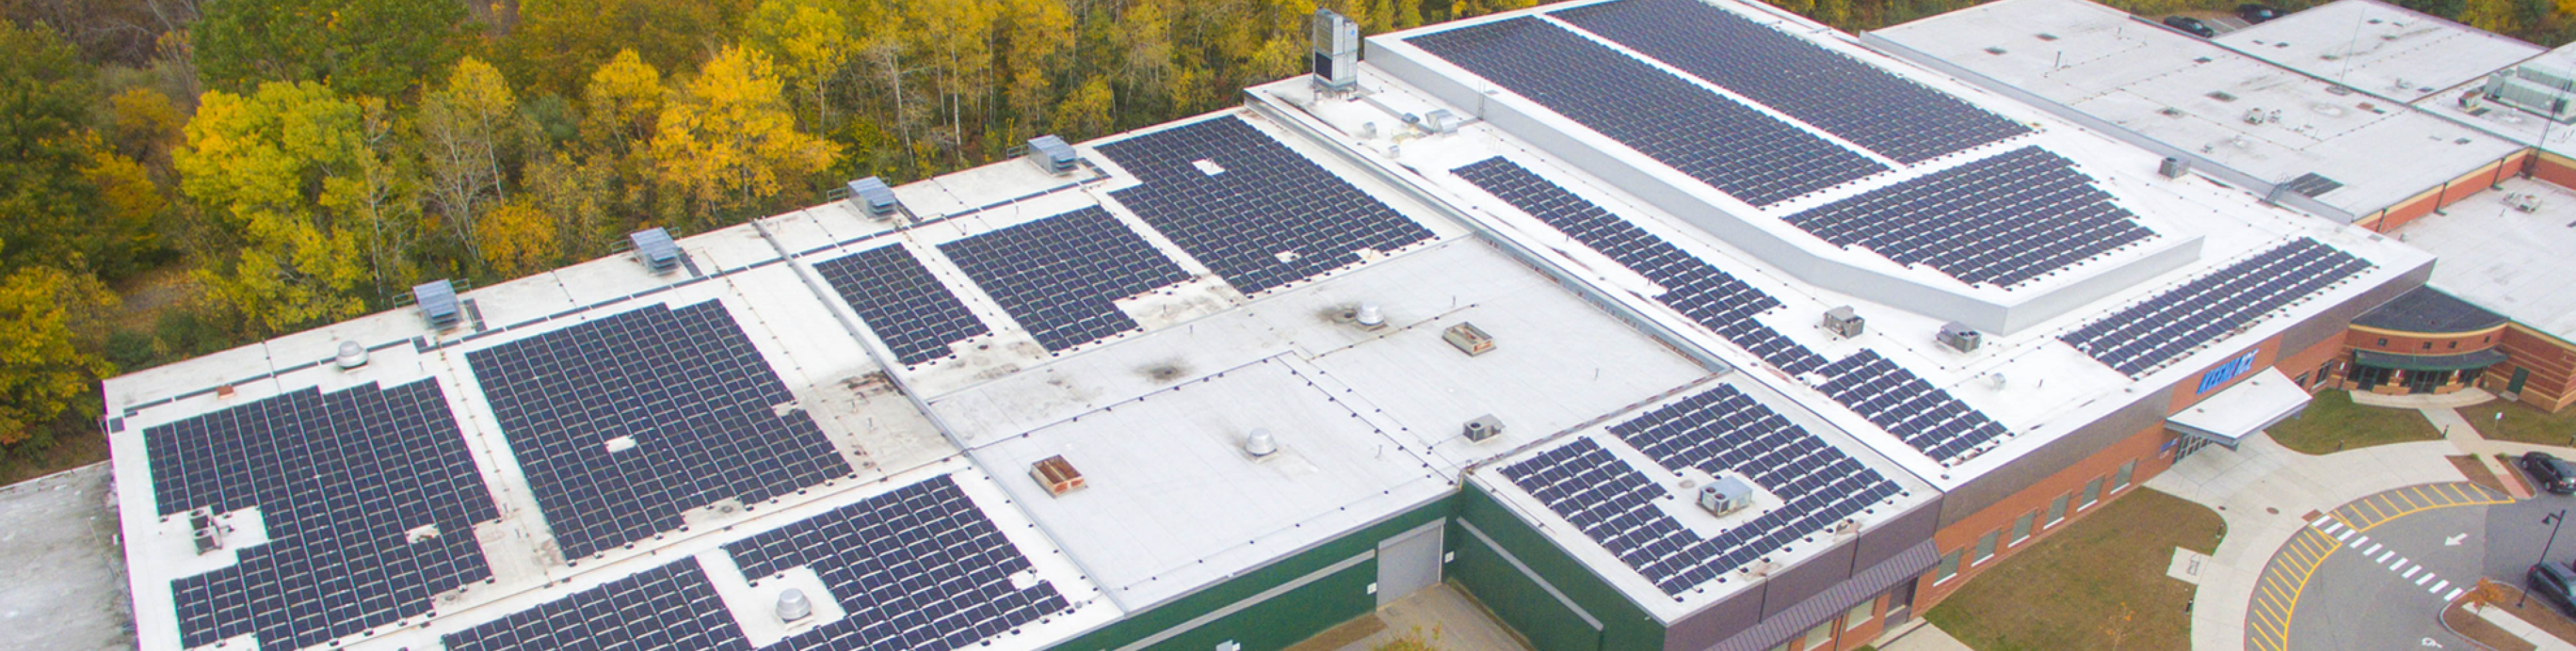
{"type": "Point", "coordinates": [2263, 491]}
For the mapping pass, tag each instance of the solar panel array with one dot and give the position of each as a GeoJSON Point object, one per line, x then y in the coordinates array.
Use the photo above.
{"type": "Point", "coordinates": [1270, 218]}
{"type": "Point", "coordinates": [916, 316]}
{"type": "Point", "coordinates": [2002, 220]}
{"type": "Point", "coordinates": [1926, 417]}
{"type": "Point", "coordinates": [1717, 431]}
{"type": "Point", "coordinates": [2142, 337]}
{"type": "Point", "coordinates": [1724, 429]}
{"type": "Point", "coordinates": [1888, 395]}
{"type": "Point", "coordinates": [1060, 276]}
{"type": "Point", "coordinates": [667, 608]}
{"type": "Point", "coordinates": [917, 569]}
{"type": "Point", "coordinates": [685, 386]}
{"type": "Point", "coordinates": [1732, 147]}
{"type": "Point", "coordinates": [1714, 299]}
{"type": "Point", "coordinates": [1860, 103]}
{"type": "Point", "coordinates": [340, 480]}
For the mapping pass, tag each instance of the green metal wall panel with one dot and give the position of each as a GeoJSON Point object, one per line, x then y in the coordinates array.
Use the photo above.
{"type": "Point", "coordinates": [1281, 620]}
{"type": "Point", "coordinates": [1625, 627]}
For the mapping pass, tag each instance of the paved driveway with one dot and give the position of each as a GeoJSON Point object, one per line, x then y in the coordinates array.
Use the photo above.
{"type": "Point", "coordinates": [2374, 574]}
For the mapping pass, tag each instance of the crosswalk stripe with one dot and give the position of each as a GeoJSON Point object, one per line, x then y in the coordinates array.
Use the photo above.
{"type": "Point", "coordinates": [2438, 589]}
{"type": "Point", "coordinates": [2454, 596]}
{"type": "Point", "coordinates": [2410, 572]}
{"type": "Point", "coordinates": [2428, 576]}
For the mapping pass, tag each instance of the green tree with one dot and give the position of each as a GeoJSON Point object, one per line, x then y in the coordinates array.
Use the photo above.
{"type": "Point", "coordinates": [381, 48]}
{"type": "Point", "coordinates": [46, 203]}
{"type": "Point", "coordinates": [812, 44]}
{"type": "Point", "coordinates": [43, 374]}
{"type": "Point", "coordinates": [263, 165]}
{"type": "Point", "coordinates": [557, 42]}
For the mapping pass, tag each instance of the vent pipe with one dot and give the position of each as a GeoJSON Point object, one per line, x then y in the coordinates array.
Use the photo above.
{"type": "Point", "coordinates": [1259, 443]}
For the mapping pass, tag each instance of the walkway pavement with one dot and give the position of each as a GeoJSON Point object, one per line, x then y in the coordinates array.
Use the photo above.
{"type": "Point", "coordinates": [2264, 492]}
{"type": "Point", "coordinates": [1921, 636]}
{"type": "Point", "coordinates": [2522, 629]}
{"type": "Point", "coordinates": [2453, 400]}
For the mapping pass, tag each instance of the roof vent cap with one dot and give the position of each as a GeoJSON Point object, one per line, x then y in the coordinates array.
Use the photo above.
{"type": "Point", "coordinates": [351, 355]}
{"type": "Point", "coordinates": [1370, 315]}
{"type": "Point", "coordinates": [1843, 322]}
{"type": "Point", "coordinates": [792, 605]}
{"type": "Point", "coordinates": [1958, 336]}
{"type": "Point", "coordinates": [1260, 443]}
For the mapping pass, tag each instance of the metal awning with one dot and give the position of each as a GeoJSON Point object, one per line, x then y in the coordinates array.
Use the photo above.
{"type": "Point", "coordinates": [2231, 415]}
{"type": "Point", "coordinates": [2459, 362]}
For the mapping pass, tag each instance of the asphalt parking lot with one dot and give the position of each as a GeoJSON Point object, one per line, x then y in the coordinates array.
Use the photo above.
{"type": "Point", "coordinates": [2387, 577]}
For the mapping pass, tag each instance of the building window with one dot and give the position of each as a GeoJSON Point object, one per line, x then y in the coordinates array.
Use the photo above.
{"type": "Point", "coordinates": [1859, 614]}
{"type": "Point", "coordinates": [2383, 341]}
{"type": "Point", "coordinates": [2021, 527]}
{"type": "Point", "coordinates": [1986, 547]}
{"type": "Point", "coordinates": [2057, 508]}
{"type": "Point", "coordinates": [1949, 566]}
{"type": "Point", "coordinates": [2303, 379]}
{"type": "Point", "coordinates": [1819, 636]}
{"type": "Point", "coordinates": [2092, 493]}
{"type": "Point", "coordinates": [2428, 345]}
{"type": "Point", "coordinates": [2120, 480]}
{"type": "Point", "coordinates": [2455, 345]}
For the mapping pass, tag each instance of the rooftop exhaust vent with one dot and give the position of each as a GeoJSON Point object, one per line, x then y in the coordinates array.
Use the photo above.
{"type": "Point", "coordinates": [351, 355]}
{"type": "Point", "coordinates": [1051, 154]}
{"type": "Point", "coordinates": [793, 606]}
{"type": "Point", "coordinates": [1260, 443]}
{"type": "Point", "coordinates": [2173, 167]}
{"type": "Point", "coordinates": [437, 302]}
{"type": "Point", "coordinates": [1056, 475]}
{"type": "Point", "coordinates": [1469, 339]}
{"type": "Point", "coordinates": [872, 194]}
{"type": "Point", "coordinates": [1843, 322]}
{"type": "Point", "coordinates": [1958, 336]}
{"type": "Point", "coordinates": [1483, 428]}
{"type": "Point", "coordinates": [653, 247]}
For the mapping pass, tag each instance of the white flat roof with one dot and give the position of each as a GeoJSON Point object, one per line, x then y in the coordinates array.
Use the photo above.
{"type": "Point", "coordinates": [2197, 96]}
{"type": "Point", "coordinates": [2245, 408]}
{"type": "Point", "coordinates": [2508, 261]}
{"type": "Point", "coordinates": [2379, 48]}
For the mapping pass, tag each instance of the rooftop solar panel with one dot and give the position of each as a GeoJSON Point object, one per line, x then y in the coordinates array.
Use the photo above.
{"type": "Point", "coordinates": [1926, 417]}
{"type": "Point", "coordinates": [343, 481]}
{"type": "Point", "coordinates": [2144, 337]}
{"type": "Point", "coordinates": [916, 316]}
{"type": "Point", "coordinates": [1731, 147]}
{"type": "Point", "coordinates": [1897, 118]}
{"type": "Point", "coordinates": [667, 608]}
{"type": "Point", "coordinates": [624, 422]}
{"type": "Point", "coordinates": [1266, 217]}
{"type": "Point", "coordinates": [2003, 220]}
{"type": "Point", "coordinates": [1061, 276]}
{"type": "Point", "coordinates": [1717, 301]}
{"type": "Point", "coordinates": [917, 569]}
{"type": "Point", "coordinates": [1718, 431]}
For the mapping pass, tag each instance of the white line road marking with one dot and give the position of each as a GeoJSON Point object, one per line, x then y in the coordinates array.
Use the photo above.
{"type": "Point", "coordinates": [2384, 556]}
{"type": "Point", "coordinates": [2428, 576]}
{"type": "Point", "coordinates": [2374, 549]}
{"type": "Point", "coordinates": [2438, 589]}
{"type": "Point", "coordinates": [2410, 572]}
{"type": "Point", "coordinates": [2401, 564]}
{"type": "Point", "coordinates": [2346, 535]}
{"type": "Point", "coordinates": [2454, 596]}
{"type": "Point", "coordinates": [2328, 525]}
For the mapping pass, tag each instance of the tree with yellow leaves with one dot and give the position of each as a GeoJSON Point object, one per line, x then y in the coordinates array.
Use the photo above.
{"type": "Point", "coordinates": [247, 161]}
{"type": "Point", "coordinates": [811, 43]}
{"type": "Point", "coordinates": [728, 143]}
{"type": "Point", "coordinates": [463, 128]}
{"type": "Point", "coordinates": [622, 98]}
{"type": "Point", "coordinates": [518, 238]}
{"type": "Point", "coordinates": [42, 372]}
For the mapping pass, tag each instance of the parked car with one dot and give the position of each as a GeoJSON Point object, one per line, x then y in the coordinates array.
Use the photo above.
{"type": "Point", "coordinates": [2550, 472]}
{"type": "Point", "coordinates": [2191, 25]}
{"type": "Point", "coordinates": [2255, 14]}
{"type": "Point", "coordinates": [2553, 583]}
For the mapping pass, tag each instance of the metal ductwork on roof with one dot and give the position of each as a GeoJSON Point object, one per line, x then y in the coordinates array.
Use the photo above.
{"type": "Point", "coordinates": [653, 247]}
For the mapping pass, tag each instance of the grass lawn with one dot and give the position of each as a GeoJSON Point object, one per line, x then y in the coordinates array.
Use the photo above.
{"type": "Point", "coordinates": [2099, 584]}
{"type": "Point", "coordinates": [2333, 423]}
{"type": "Point", "coordinates": [2521, 423]}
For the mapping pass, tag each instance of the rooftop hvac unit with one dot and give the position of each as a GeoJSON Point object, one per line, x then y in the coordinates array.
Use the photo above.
{"type": "Point", "coordinates": [1337, 51]}
{"type": "Point", "coordinates": [1958, 336]}
{"type": "Point", "coordinates": [437, 302]}
{"type": "Point", "coordinates": [1051, 154]}
{"type": "Point", "coordinates": [2174, 167]}
{"type": "Point", "coordinates": [2525, 202]}
{"type": "Point", "coordinates": [1483, 428]}
{"type": "Point", "coordinates": [1843, 322]}
{"type": "Point", "coordinates": [872, 194]}
{"type": "Point", "coordinates": [653, 247]}
{"type": "Point", "coordinates": [1725, 495]}
{"type": "Point", "coordinates": [1441, 121]}
{"type": "Point", "coordinates": [208, 534]}
{"type": "Point", "coordinates": [1469, 339]}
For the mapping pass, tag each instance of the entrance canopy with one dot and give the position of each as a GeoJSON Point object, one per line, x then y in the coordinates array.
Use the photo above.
{"type": "Point", "coordinates": [2241, 410]}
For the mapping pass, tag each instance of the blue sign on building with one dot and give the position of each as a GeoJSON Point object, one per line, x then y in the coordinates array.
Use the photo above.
{"type": "Point", "coordinates": [2227, 371]}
